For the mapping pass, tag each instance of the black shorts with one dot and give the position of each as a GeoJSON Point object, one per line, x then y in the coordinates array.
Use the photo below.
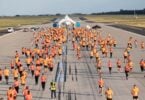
{"type": "Point", "coordinates": [6, 77]}
{"type": "Point", "coordinates": [28, 65]}
{"type": "Point", "coordinates": [125, 57]}
{"type": "Point", "coordinates": [110, 68]}
{"type": "Point", "coordinates": [0, 78]}
{"type": "Point", "coordinates": [22, 53]}
{"type": "Point", "coordinates": [45, 66]}
{"type": "Point", "coordinates": [100, 86]}
{"type": "Point", "coordinates": [91, 57]}
{"type": "Point", "coordinates": [109, 98]}
{"type": "Point", "coordinates": [98, 68]}
{"type": "Point", "coordinates": [12, 67]}
{"type": "Point", "coordinates": [50, 68]}
{"type": "Point", "coordinates": [135, 97]}
{"type": "Point", "coordinates": [97, 58]}
{"type": "Point", "coordinates": [119, 66]}
{"type": "Point", "coordinates": [23, 84]}
{"type": "Point", "coordinates": [37, 64]}
{"type": "Point", "coordinates": [15, 78]}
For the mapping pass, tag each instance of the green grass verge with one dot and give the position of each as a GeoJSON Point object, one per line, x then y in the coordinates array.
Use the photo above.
{"type": "Point", "coordinates": [119, 19]}
{"type": "Point", "coordinates": [20, 21]}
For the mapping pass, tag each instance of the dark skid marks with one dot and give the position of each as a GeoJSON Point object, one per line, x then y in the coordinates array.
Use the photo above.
{"type": "Point", "coordinates": [137, 30]}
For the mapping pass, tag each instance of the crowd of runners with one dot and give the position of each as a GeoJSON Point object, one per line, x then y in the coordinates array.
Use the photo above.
{"type": "Point", "coordinates": [47, 45]}
{"type": "Point", "coordinates": [101, 47]}
{"type": "Point", "coordinates": [39, 59]}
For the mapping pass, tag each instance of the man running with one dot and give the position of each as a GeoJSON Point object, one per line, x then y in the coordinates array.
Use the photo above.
{"type": "Point", "coordinates": [110, 66]}
{"type": "Point", "coordinates": [43, 81]}
{"type": "Point", "coordinates": [135, 92]}
{"type": "Point", "coordinates": [109, 94]}
{"type": "Point", "coordinates": [6, 74]}
{"type": "Point", "coordinates": [101, 85]}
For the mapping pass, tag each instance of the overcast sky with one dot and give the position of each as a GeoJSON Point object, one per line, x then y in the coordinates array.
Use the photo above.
{"type": "Point", "coordinates": [34, 7]}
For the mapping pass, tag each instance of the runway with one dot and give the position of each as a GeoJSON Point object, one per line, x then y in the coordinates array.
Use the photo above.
{"type": "Point", "coordinates": [78, 77]}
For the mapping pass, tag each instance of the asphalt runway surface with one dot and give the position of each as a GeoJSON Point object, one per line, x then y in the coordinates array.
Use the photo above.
{"type": "Point", "coordinates": [81, 76]}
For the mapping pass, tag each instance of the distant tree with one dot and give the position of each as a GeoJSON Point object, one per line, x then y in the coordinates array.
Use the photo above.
{"type": "Point", "coordinates": [17, 15]}
{"type": "Point", "coordinates": [58, 14]}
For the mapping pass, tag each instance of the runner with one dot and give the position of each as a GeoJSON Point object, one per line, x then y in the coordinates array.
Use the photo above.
{"type": "Point", "coordinates": [142, 45]}
{"type": "Point", "coordinates": [37, 74]}
{"type": "Point", "coordinates": [125, 54]}
{"type": "Point", "coordinates": [14, 93]}
{"type": "Point", "coordinates": [135, 43]}
{"type": "Point", "coordinates": [110, 66]}
{"type": "Point", "coordinates": [141, 65]}
{"type": "Point", "coordinates": [109, 94]}
{"type": "Point", "coordinates": [16, 85]}
{"type": "Point", "coordinates": [99, 65]}
{"type": "Point", "coordinates": [91, 54]}
{"type": "Point", "coordinates": [15, 73]}
{"type": "Point", "coordinates": [28, 95]}
{"type": "Point", "coordinates": [12, 64]}
{"type": "Point", "coordinates": [28, 61]}
{"type": "Point", "coordinates": [118, 63]}
{"type": "Point", "coordinates": [10, 97]}
{"type": "Point", "coordinates": [127, 70]}
{"type": "Point", "coordinates": [1, 75]}
{"type": "Point", "coordinates": [23, 80]}
{"type": "Point", "coordinates": [25, 91]}
{"type": "Point", "coordinates": [111, 52]}
{"type": "Point", "coordinates": [43, 81]}
{"type": "Point", "coordinates": [32, 68]}
{"type": "Point", "coordinates": [101, 85]}
{"type": "Point", "coordinates": [135, 92]}
{"type": "Point", "coordinates": [6, 75]}
{"type": "Point", "coordinates": [97, 56]}
{"type": "Point", "coordinates": [9, 93]}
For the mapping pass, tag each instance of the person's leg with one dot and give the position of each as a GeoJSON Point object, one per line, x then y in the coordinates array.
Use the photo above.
{"type": "Point", "coordinates": [133, 98]}
{"type": "Point", "coordinates": [17, 89]}
{"type": "Point", "coordinates": [55, 93]}
{"type": "Point", "coordinates": [142, 68]}
{"type": "Point", "coordinates": [36, 80]}
{"type": "Point", "coordinates": [99, 90]}
{"type": "Point", "coordinates": [7, 78]}
{"type": "Point", "coordinates": [102, 91]}
{"type": "Point", "coordinates": [110, 54]}
{"type": "Point", "coordinates": [136, 97]}
{"type": "Point", "coordinates": [110, 70]}
{"type": "Point", "coordinates": [32, 72]}
{"type": "Point", "coordinates": [126, 74]}
{"type": "Point", "coordinates": [43, 85]}
{"type": "Point", "coordinates": [51, 94]}
{"type": "Point", "coordinates": [0, 78]}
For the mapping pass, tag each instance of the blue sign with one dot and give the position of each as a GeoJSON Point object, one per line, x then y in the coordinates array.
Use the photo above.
{"type": "Point", "coordinates": [55, 24]}
{"type": "Point", "coordinates": [78, 24]}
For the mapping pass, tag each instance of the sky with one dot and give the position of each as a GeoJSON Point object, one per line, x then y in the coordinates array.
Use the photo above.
{"type": "Point", "coordinates": [35, 7]}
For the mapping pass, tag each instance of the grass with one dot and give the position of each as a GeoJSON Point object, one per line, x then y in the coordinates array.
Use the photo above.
{"type": "Point", "coordinates": [25, 20]}
{"type": "Point", "coordinates": [119, 19]}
